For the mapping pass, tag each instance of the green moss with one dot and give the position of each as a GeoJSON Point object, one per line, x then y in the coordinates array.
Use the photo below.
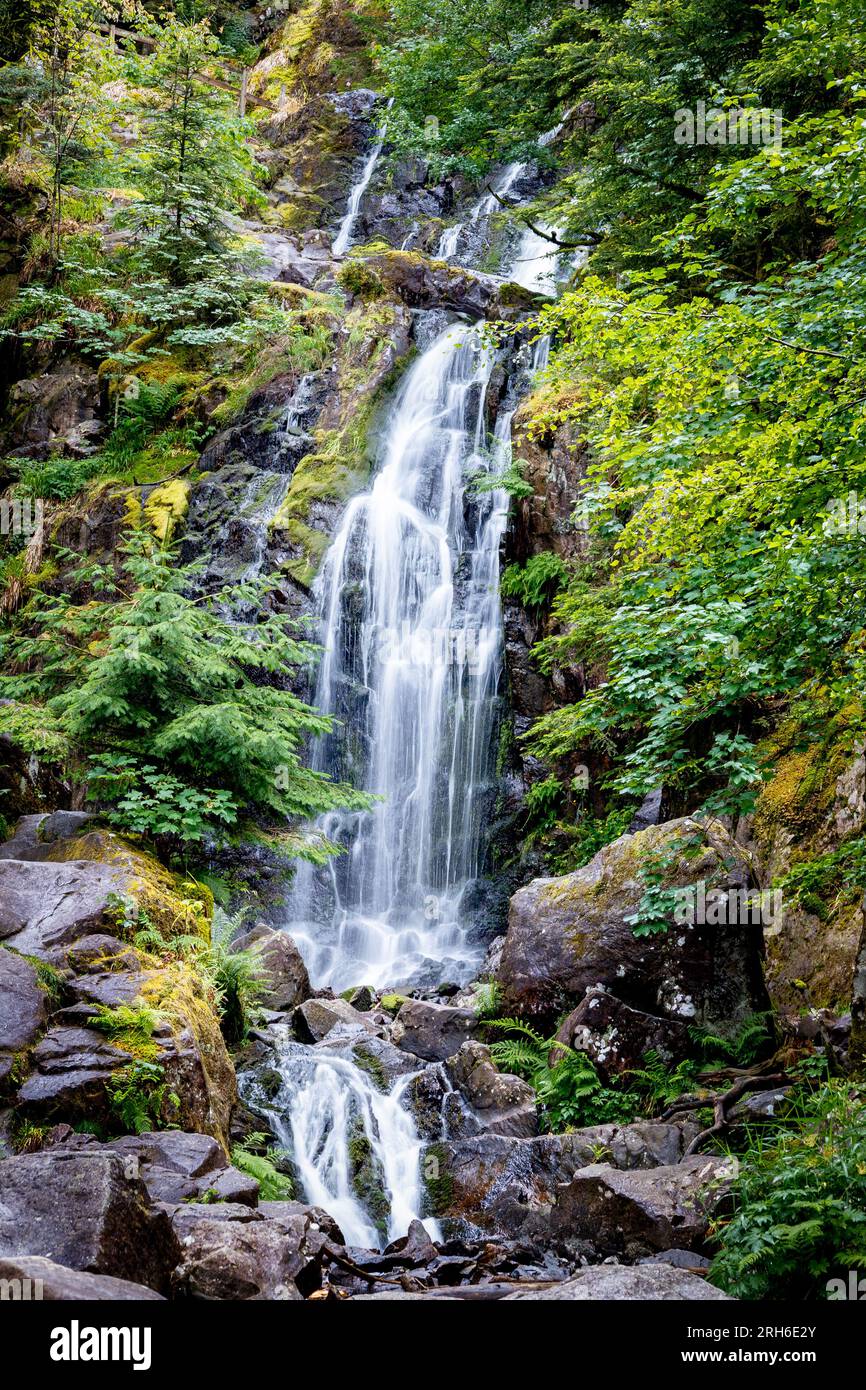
{"type": "Point", "coordinates": [368, 1179]}
{"type": "Point", "coordinates": [438, 1182]}
{"type": "Point", "coordinates": [393, 1003]}
{"type": "Point", "coordinates": [367, 1062]}
{"type": "Point", "coordinates": [166, 506]}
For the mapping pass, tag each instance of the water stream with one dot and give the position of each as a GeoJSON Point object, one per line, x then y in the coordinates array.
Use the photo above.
{"type": "Point", "coordinates": [410, 627]}
{"type": "Point", "coordinates": [343, 239]}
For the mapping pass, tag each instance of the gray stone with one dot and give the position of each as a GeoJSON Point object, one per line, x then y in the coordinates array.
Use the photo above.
{"type": "Point", "coordinates": [433, 1031]}
{"type": "Point", "coordinates": [23, 1008]}
{"type": "Point", "coordinates": [315, 1019]}
{"type": "Point", "coordinates": [627, 1283]}
{"type": "Point", "coordinates": [59, 1284]}
{"type": "Point", "coordinates": [639, 1210]}
{"type": "Point", "coordinates": [45, 906]}
{"type": "Point", "coordinates": [84, 1211]}
{"type": "Point", "coordinates": [280, 965]}
{"type": "Point", "coordinates": [499, 1103]}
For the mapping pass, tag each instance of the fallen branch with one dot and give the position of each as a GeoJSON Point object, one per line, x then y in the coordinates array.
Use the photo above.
{"type": "Point", "coordinates": [722, 1104]}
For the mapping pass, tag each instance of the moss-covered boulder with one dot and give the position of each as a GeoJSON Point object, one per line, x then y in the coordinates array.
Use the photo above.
{"type": "Point", "coordinates": [568, 934]}
{"type": "Point", "coordinates": [808, 829]}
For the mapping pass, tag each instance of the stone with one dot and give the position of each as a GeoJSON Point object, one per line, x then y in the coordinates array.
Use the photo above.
{"type": "Point", "coordinates": [47, 410]}
{"type": "Point", "coordinates": [499, 1103]}
{"type": "Point", "coordinates": [43, 906]}
{"type": "Point", "coordinates": [314, 1020]}
{"type": "Point", "coordinates": [507, 1186]}
{"type": "Point", "coordinates": [617, 1038]}
{"type": "Point", "coordinates": [627, 1283]}
{"type": "Point", "coordinates": [622, 1212]}
{"type": "Point", "coordinates": [280, 965]}
{"type": "Point", "coordinates": [23, 1008]}
{"type": "Point", "coordinates": [83, 1210]}
{"type": "Point", "coordinates": [71, 1066]}
{"type": "Point", "coordinates": [570, 933]}
{"type": "Point", "coordinates": [259, 1259]}
{"type": "Point", "coordinates": [59, 1284]}
{"type": "Point", "coordinates": [433, 1031]}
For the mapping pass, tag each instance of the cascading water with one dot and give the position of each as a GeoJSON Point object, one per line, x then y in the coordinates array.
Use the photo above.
{"type": "Point", "coordinates": [326, 1111]}
{"type": "Point", "coordinates": [412, 658]}
{"type": "Point", "coordinates": [343, 239]}
{"type": "Point", "coordinates": [411, 665]}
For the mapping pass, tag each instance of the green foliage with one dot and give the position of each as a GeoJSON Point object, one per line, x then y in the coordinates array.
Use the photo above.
{"type": "Point", "coordinates": [488, 999]}
{"type": "Point", "coordinates": [274, 1186]}
{"type": "Point", "coordinates": [753, 1038]}
{"type": "Point", "coordinates": [799, 1206]}
{"type": "Point", "coordinates": [567, 1086]}
{"type": "Point", "coordinates": [138, 1094]}
{"type": "Point", "coordinates": [582, 841]}
{"type": "Point", "coordinates": [127, 1027]}
{"type": "Point", "coordinates": [236, 977]}
{"type": "Point", "coordinates": [534, 583]}
{"type": "Point", "coordinates": [155, 688]}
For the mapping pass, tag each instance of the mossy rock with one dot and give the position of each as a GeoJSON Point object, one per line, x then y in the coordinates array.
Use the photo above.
{"type": "Point", "coordinates": [174, 906]}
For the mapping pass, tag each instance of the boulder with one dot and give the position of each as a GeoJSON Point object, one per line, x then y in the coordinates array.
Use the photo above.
{"type": "Point", "coordinates": [280, 965]}
{"type": "Point", "coordinates": [23, 1008]}
{"type": "Point", "coordinates": [639, 1210]}
{"type": "Point", "coordinates": [500, 1104]}
{"type": "Point", "coordinates": [431, 284]}
{"type": "Point", "coordinates": [70, 1068]}
{"type": "Point", "coordinates": [433, 1031]}
{"type": "Point", "coordinates": [617, 1038]}
{"type": "Point", "coordinates": [84, 1211]}
{"type": "Point", "coordinates": [47, 412]}
{"type": "Point", "coordinates": [314, 1020]}
{"type": "Point", "coordinates": [43, 907]}
{"type": "Point", "coordinates": [627, 1283]}
{"type": "Point", "coordinates": [59, 1284]}
{"type": "Point", "coordinates": [568, 934]}
{"type": "Point", "coordinates": [507, 1186]}
{"type": "Point", "coordinates": [249, 1259]}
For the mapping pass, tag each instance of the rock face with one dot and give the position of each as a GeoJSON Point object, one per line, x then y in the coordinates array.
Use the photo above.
{"type": "Point", "coordinates": [281, 966]}
{"type": "Point", "coordinates": [618, 1038]}
{"type": "Point", "coordinates": [174, 1166]}
{"type": "Point", "coordinates": [497, 1103]}
{"type": "Point", "coordinates": [83, 1211]}
{"type": "Point", "coordinates": [251, 1256]}
{"type": "Point", "coordinates": [507, 1186]}
{"type": "Point", "coordinates": [639, 1210]}
{"type": "Point", "coordinates": [429, 284]}
{"type": "Point", "coordinates": [568, 934]}
{"type": "Point", "coordinates": [629, 1283]}
{"type": "Point", "coordinates": [58, 1284]}
{"type": "Point", "coordinates": [23, 1008]}
{"type": "Point", "coordinates": [433, 1031]}
{"type": "Point", "coordinates": [45, 906]}
{"type": "Point", "coordinates": [315, 1019]}
{"type": "Point", "coordinates": [55, 413]}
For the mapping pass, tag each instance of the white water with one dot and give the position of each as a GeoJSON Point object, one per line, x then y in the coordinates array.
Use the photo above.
{"type": "Point", "coordinates": [343, 239]}
{"type": "Point", "coordinates": [325, 1102]}
{"type": "Point", "coordinates": [412, 658]}
{"type": "Point", "coordinates": [449, 243]}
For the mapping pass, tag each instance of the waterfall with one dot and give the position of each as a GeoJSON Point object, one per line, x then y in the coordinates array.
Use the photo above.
{"type": "Point", "coordinates": [449, 243]}
{"type": "Point", "coordinates": [330, 1115]}
{"type": "Point", "coordinates": [343, 239]}
{"type": "Point", "coordinates": [411, 665]}
{"type": "Point", "coordinates": [410, 627]}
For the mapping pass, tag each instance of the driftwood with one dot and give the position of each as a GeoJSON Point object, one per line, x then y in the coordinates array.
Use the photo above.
{"type": "Point", "coordinates": [722, 1103]}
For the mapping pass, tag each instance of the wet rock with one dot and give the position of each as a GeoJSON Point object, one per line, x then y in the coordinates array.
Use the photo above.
{"type": "Point", "coordinates": [507, 1186]}
{"type": "Point", "coordinates": [59, 1284]}
{"type": "Point", "coordinates": [618, 1038]}
{"type": "Point", "coordinates": [433, 1031]}
{"type": "Point", "coordinates": [567, 934]}
{"type": "Point", "coordinates": [627, 1283]}
{"type": "Point", "coordinates": [430, 284]}
{"type": "Point", "coordinates": [46, 413]}
{"type": "Point", "coordinates": [243, 1259]}
{"type": "Point", "coordinates": [82, 1210]}
{"type": "Point", "coordinates": [640, 1209]}
{"type": "Point", "coordinates": [45, 906]}
{"type": "Point", "coordinates": [280, 964]}
{"type": "Point", "coordinates": [500, 1104]}
{"type": "Point", "coordinates": [362, 999]}
{"type": "Point", "coordinates": [23, 1008]}
{"type": "Point", "coordinates": [314, 1020]}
